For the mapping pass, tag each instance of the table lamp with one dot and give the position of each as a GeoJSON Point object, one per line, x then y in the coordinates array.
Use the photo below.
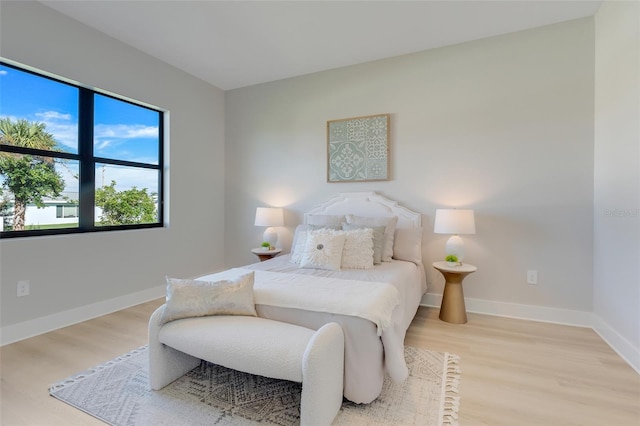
{"type": "Point", "coordinates": [454, 221]}
{"type": "Point", "coordinates": [269, 217]}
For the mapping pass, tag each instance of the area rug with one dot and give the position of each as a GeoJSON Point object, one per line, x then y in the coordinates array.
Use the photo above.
{"type": "Point", "coordinates": [118, 393]}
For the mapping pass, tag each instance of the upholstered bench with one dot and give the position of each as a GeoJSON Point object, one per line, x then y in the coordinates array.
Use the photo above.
{"type": "Point", "coordinates": [257, 346]}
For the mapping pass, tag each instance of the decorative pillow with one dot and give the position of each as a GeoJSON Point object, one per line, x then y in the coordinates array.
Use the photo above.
{"type": "Point", "coordinates": [358, 249]}
{"type": "Point", "coordinates": [378, 239]}
{"type": "Point", "coordinates": [407, 245]}
{"type": "Point", "coordinates": [323, 250]}
{"type": "Point", "coordinates": [389, 223]}
{"type": "Point", "coordinates": [299, 242]}
{"type": "Point", "coordinates": [334, 221]}
{"type": "Point", "coordinates": [193, 298]}
{"type": "Point", "coordinates": [300, 239]}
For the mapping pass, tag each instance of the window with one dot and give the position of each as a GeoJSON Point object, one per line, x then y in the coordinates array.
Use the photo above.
{"type": "Point", "coordinates": [66, 211]}
{"type": "Point", "coordinates": [75, 160]}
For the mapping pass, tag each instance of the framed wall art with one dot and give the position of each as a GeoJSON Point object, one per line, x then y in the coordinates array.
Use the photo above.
{"type": "Point", "coordinates": [358, 149]}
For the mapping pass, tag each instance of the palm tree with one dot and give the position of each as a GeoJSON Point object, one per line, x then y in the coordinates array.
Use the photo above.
{"type": "Point", "coordinates": [28, 177]}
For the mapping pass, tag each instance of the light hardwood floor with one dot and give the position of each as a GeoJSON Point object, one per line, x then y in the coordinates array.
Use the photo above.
{"type": "Point", "coordinates": [513, 372]}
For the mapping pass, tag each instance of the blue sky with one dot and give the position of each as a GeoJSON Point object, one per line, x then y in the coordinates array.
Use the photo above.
{"type": "Point", "coordinates": [121, 130]}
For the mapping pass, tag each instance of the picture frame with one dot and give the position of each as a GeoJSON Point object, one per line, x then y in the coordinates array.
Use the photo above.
{"type": "Point", "coordinates": [358, 149]}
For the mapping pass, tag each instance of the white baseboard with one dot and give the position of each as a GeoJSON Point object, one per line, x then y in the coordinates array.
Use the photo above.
{"type": "Point", "coordinates": [515, 310]}
{"type": "Point", "coordinates": [24, 330]}
{"type": "Point", "coordinates": [622, 346]}
{"type": "Point", "coordinates": [618, 343]}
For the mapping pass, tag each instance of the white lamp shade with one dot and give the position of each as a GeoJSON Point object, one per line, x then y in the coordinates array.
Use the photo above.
{"type": "Point", "coordinates": [454, 221]}
{"type": "Point", "coordinates": [269, 216]}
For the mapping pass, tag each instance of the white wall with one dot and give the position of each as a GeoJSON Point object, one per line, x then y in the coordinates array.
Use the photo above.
{"type": "Point", "coordinates": [78, 275]}
{"type": "Point", "coordinates": [617, 177]}
{"type": "Point", "coordinates": [501, 125]}
{"type": "Point", "coordinates": [45, 215]}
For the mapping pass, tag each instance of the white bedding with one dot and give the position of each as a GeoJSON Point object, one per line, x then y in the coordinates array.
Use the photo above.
{"type": "Point", "coordinates": [374, 301]}
{"type": "Point", "coordinates": [367, 355]}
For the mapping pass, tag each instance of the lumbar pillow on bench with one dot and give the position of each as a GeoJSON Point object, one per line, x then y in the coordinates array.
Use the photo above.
{"type": "Point", "coordinates": [193, 298]}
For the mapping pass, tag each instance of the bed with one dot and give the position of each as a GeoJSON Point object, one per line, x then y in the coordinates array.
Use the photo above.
{"type": "Point", "coordinates": [374, 304]}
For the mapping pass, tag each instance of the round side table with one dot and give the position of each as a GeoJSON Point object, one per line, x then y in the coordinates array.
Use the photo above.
{"type": "Point", "coordinates": [265, 254]}
{"type": "Point", "coordinates": [452, 308]}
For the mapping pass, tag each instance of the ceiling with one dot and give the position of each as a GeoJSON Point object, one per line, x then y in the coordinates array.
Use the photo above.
{"type": "Point", "coordinates": [233, 44]}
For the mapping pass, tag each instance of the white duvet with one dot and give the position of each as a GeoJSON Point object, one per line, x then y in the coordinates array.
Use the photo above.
{"type": "Point", "coordinates": [373, 301]}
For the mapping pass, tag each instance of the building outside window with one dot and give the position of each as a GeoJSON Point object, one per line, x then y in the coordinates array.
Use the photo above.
{"type": "Point", "coordinates": [73, 159]}
{"type": "Point", "coordinates": [66, 211]}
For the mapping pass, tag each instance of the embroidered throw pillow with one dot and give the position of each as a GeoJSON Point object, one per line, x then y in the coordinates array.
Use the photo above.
{"type": "Point", "coordinates": [193, 298]}
{"type": "Point", "coordinates": [389, 224]}
{"type": "Point", "coordinates": [378, 239]}
{"type": "Point", "coordinates": [358, 249]}
{"type": "Point", "coordinates": [323, 250]}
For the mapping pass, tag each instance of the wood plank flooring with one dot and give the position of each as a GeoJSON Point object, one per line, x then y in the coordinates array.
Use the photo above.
{"type": "Point", "coordinates": [514, 372]}
{"type": "Point", "coordinates": [517, 372]}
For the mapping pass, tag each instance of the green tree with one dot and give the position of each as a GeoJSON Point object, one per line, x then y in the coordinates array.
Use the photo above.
{"type": "Point", "coordinates": [29, 178]}
{"type": "Point", "coordinates": [125, 207]}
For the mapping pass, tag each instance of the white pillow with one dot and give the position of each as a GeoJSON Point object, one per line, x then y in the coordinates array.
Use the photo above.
{"type": "Point", "coordinates": [389, 223]}
{"type": "Point", "coordinates": [299, 242]}
{"type": "Point", "coordinates": [407, 245]}
{"type": "Point", "coordinates": [300, 239]}
{"type": "Point", "coordinates": [323, 250]}
{"type": "Point", "coordinates": [334, 221]}
{"type": "Point", "coordinates": [193, 298]}
{"type": "Point", "coordinates": [358, 249]}
{"type": "Point", "coordinates": [378, 239]}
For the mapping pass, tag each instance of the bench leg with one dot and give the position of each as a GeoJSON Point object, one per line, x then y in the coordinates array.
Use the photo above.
{"type": "Point", "coordinates": [165, 364]}
{"type": "Point", "coordinates": [322, 376]}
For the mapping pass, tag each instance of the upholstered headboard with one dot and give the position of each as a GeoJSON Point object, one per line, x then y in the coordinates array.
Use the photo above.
{"type": "Point", "coordinates": [367, 204]}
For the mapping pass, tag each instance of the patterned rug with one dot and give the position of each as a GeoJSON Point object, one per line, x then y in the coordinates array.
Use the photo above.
{"type": "Point", "coordinates": [118, 393]}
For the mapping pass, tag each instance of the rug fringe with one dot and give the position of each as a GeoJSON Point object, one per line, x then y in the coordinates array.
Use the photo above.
{"type": "Point", "coordinates": [449, 401]}
{"type": "Point", "coordinates": [81, 376]}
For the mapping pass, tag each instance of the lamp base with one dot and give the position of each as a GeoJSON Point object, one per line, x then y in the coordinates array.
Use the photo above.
{"type": "Point", "coordinates": [270, 236]}
{"type": "Point", "coordinates": [455, 246]}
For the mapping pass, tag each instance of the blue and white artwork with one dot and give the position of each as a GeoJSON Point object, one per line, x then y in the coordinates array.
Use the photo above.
{"type": "Point", "coordinates": [358, 149]}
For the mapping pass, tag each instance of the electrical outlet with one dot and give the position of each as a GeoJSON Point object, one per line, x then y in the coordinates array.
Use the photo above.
{"type": "Point", "coordinates": [532, 277]}
{"type": "Point", "coordinates": [23, 288]}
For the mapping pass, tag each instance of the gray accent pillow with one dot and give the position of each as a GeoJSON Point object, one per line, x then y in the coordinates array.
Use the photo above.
{"type": "Point", "coordinates": [325, 220]}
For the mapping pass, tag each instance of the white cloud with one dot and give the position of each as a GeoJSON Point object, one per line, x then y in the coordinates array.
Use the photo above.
{"type": "Point", "coordinates": [103, 144]}
{"type": "Point", "coordinates": [52, 115]}
{"type": "Point", "coordinates": [62, 127]}
{"type": "Point", "coordinates": [125, 131]}
{"type": "Point", "coordinates": [65, 134]}
{"type": "Point", "coordinates": [120, 140]}
{"type": "Point", "coordinates": [10, 117]}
